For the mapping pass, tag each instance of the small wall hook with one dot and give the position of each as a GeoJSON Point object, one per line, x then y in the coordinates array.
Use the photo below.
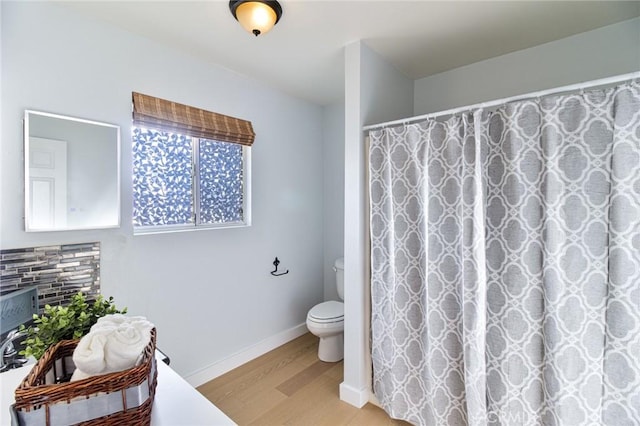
{"type": "Point", "coordinates": [275, 271]}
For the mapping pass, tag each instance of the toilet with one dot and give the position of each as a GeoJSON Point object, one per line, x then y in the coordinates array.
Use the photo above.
{"type": "Point", "coordinates": [326, 320]}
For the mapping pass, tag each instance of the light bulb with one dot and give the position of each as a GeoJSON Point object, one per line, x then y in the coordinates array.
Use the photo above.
{"type": "Point", "coordinates": [255, 17]}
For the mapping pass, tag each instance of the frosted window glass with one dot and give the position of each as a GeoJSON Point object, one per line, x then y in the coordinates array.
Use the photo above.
{"type": "Point", "coordinates": [221, 189]}
{"type": "Point", "coordinates": [162, 181]}
{"type": "Point", "coordinates": [164, 177]}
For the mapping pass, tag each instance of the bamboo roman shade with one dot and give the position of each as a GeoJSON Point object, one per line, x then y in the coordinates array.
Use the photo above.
{"type": "Point", "coordinates": [156, 113]}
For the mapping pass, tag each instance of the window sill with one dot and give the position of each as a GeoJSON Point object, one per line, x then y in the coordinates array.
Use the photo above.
{"type": "Point", "coordinates": [190, 228]}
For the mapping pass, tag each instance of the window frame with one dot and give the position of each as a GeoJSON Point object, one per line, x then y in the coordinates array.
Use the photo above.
{"type": "Point", "coordinates": [195, 194]}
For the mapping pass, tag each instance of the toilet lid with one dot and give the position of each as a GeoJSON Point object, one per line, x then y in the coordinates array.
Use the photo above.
{"type": "Point", "coordinates": [331, 311]}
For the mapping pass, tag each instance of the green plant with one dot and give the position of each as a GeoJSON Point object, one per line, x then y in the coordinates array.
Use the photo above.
{"type": "Point", "coordinates": [65, 322]}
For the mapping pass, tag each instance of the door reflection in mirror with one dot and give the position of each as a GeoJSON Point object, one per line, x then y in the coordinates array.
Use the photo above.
{"type": "Point", "coordinates": [48, 183]}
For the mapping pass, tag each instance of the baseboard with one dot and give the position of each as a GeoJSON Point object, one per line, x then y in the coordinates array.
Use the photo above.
{"type": "Point", "coordinates": [223, 366]}
{"type": "Point", "coordinates": [373, 399]}
{"type": "Point", "coordinates": [356, 397]}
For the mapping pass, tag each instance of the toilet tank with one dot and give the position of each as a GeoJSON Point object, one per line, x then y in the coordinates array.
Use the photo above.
{"type": "Point", "coordinates": [338, 266]}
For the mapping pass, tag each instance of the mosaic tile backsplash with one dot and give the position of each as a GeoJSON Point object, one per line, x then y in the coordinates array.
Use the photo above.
{"type": "Point", "coordinates": [58, 271]}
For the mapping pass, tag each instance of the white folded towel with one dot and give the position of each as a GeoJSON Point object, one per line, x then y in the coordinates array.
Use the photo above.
{"type": "Point", "coordinates": [117, 319]}
{"type": "Point", "coordinates": [79, 375]}
{"type": "Point", "coordinates": [114, 343]}
{"type": "Point", "coordinates": [89, 353]}
{"type": "Point", "coordinates": [125, 345]}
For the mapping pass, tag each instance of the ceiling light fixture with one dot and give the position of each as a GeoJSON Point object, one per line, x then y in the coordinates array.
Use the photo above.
{"type": "Point", "coordinates": [256, 16]}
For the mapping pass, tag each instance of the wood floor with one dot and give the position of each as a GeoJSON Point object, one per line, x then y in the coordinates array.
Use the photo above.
{"type": "Point", "coordinates": [289, 386]}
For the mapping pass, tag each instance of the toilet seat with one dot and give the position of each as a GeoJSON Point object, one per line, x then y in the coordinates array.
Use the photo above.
{"type": "Point", "coordinates": [327, 312]}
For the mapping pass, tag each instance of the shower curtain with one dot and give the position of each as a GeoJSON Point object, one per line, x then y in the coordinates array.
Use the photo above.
{"type": "Point", "coordinates": [505, 261]}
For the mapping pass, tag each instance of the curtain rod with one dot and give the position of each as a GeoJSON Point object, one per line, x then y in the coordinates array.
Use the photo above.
{"type": "Point", "coordinates": [569, 88]}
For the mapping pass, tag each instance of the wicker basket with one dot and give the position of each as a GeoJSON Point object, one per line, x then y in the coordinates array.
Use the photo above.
{"type": "Point", "coordinates": [46, 397]}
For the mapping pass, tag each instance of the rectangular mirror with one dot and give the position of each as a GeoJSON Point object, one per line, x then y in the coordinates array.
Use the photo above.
{"type": "Point", "coordinates": [71, 172]}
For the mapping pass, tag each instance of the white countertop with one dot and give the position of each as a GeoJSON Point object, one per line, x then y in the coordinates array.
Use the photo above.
{"type": "Point", "coordinates": [176, 402]}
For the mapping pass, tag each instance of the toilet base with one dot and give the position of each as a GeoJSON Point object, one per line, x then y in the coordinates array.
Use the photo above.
{"type": "Point", "coordinates": [331, 348]}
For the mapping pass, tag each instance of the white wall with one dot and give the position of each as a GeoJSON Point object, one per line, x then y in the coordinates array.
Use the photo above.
{"type": "Point", "coordinates": [333, 211]}
{"type": "Point", "coordinates": [604, 52]}
{"type": "Point", "coordinates": [374, 91]}
{"type": "Point", "coordinates": [209, 292]}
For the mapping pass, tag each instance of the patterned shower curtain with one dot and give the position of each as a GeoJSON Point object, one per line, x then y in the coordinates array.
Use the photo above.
{"type": "Point", "coordinates": [505, 256]}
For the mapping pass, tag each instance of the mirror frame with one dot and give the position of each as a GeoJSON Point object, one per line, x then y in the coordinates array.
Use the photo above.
{"type": "Point", "coordinates": [26, 161]}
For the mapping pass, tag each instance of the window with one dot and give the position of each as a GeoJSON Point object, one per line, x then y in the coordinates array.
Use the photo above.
{"type": "Point", "coordinates": [183, 179]}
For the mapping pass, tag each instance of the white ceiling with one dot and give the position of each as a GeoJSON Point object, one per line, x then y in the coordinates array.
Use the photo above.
{"type": "Point", "coordinates": [303, 54]}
